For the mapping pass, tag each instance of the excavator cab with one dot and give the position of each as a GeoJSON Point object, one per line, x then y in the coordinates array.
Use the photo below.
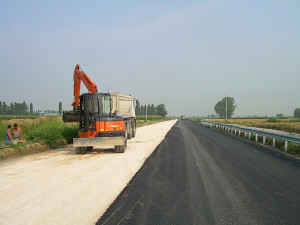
{"type": "Point", "coordinates": [92, 107]}
{"type": "Point", "coordinates": [96, 119]}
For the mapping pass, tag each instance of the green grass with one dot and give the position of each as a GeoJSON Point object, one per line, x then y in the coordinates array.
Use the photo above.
{"type": "Point", "coordinates": [52, 131]}
{"type": "Point", "coordinates": [10, 117]}
{"type": "Point", "coordinates": [151, 118]}
{"type": "Point", "coordinates": [48, 130]}
{"type": "Point", "coordinates": [195, 119]}
{"type": "Point", "coordinates": [141, 119]}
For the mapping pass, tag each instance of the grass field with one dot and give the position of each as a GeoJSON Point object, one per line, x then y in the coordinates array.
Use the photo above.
{"type": "Point", "coordinates": [46, 129]}
{"type": "Point", "coordinates": [290, 125]}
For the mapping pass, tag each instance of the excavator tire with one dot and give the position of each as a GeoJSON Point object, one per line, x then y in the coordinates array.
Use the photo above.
{"type": "Point", "coordinates": [82, 150]}
{"type": "Point", "coordinates": [121, 148]}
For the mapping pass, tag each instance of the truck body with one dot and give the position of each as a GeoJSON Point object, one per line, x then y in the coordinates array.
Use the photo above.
{"type": "Point", "coordinates": [105, 119]}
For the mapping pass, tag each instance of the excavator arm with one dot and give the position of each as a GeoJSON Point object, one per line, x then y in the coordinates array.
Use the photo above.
{"type": "Point", "coordinates": [80, 75]}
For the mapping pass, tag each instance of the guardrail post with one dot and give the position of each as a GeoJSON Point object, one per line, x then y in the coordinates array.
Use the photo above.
{"type": "Point", "coordinates": [256, 137]}
{"type": "Point", "coordinates": [264, 139]}
{"type": "Point", "coordinates": [239, 132]}
{"type": "Point", "coordinates": [274, 141]}
{"type": "Point", "coordinates": [286, 146]}
{"type": "Point", "coordinates": [235, 131]}
{"type": "Point", "coordinates": [249, 135]}
{"type": "Point", "coordinates": [245, 134]}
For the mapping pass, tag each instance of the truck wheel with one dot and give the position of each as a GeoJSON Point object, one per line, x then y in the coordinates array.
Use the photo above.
{"type": "Point", "coordinates": [133, 131]}
{"type": "Point", "coordinates": [129, 131]}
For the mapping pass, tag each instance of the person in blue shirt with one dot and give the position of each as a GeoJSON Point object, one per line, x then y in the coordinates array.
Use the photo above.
{"type": "Point", "coordinates": [7, 134]}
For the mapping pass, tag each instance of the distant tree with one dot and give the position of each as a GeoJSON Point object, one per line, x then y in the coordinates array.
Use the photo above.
{"type": "Point", "coordinates": [161, 110]}
{"type": "Point", "coordinates": [220, 107]}
{"type": "Point", "coordinates": [24, 108]}
{"type": "Point", "coordinates": [11, 109]}
{"type": "Point", "coordinates": [31, 109]}
{"type": "Point", "coordinates": [279, 115]}
{"type": "Point", "coordinates": [149, 109]}
{"type": "Point", "coordinates": [4, 108]}
{"type": "Point", "coordinates": [1, 108]}
{"type": "Point", "coordinates": [153, 110]}
{"type": "Point", "coordinates": [297, 113]}
{"type": "Point", "coordinates": [137, 107]}
{"type": "Point", "coordinates": [60, 108]}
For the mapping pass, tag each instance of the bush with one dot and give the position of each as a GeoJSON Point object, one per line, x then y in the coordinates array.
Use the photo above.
{"type": "Point", "coordinates": [52, 131]}
{"type": "Point", "coordinates": [273, 120]}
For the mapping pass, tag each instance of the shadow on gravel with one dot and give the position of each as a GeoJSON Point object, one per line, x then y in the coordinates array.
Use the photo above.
{"type": "Point", "coordinates": [96, 151]}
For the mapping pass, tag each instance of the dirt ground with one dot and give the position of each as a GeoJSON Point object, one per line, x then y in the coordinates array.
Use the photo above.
{"type": "Point", "coordinates": [60, 187]}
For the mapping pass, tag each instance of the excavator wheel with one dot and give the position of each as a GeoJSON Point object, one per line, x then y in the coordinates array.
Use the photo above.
{"type": "Point", "coordinates": [121, 148]}
{"type": "Point", "coordinates": [82, 150]}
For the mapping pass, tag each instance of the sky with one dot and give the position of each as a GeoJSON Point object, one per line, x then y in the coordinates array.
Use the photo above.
{"type": "Point", "coordinates": [187, 55]}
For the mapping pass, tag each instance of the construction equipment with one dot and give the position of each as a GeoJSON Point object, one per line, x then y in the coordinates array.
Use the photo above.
{"type": "Point", "coordinates": [105, 119]}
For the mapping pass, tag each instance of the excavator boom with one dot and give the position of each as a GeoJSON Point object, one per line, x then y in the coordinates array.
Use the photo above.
{"type": "Point", "coordinates": [80, 75]}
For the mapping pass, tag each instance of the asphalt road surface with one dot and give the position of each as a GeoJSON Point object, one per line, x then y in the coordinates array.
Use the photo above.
{"type": "Point", "coordinates": [200, 175]}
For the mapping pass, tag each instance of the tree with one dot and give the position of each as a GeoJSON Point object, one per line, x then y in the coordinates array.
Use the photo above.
{"type": "Point", "coordinates": [1, 107]}
{"type": "Point", "coordinates": [12, 109]}
{"type": "Point", "coordinates": [161, 110]}
{"type": "Point", "coordinates": [4, 108]}
{"type": "Point", "coordinates": [220, 107]}
{"type": "Point", "coordinates": [31, 109]}
{"type": "Point", "coordinates": [153, 110]}
{"type": "Point", "coordinates": [137, 107]}
{"type": "Point", "coordinates": [60, 108]}
{"type": "Point", "coordinates": [297, 113]}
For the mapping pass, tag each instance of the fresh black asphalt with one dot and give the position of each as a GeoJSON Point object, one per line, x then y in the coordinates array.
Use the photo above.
{"type": "Point", "coordinates": [200, 175]}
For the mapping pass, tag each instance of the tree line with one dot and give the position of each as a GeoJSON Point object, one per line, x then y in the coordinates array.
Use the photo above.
{"type": "Point", "coordinates": [15, 108]}
{"type": "Point", "coordinates": [159, 110]}
{"type": "Point", "coordinates": [23, 109]}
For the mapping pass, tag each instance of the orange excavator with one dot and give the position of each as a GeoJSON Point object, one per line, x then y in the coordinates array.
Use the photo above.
{"type": "Point", "coordinates": [104, 118]}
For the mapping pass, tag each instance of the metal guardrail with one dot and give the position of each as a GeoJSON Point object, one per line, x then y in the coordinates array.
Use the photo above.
{"type": "Point", "coordinates": [247, 130]}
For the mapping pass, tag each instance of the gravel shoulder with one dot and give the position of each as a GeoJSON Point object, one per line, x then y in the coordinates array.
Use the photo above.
{"type": "Point", "coordinates": [60, 187]}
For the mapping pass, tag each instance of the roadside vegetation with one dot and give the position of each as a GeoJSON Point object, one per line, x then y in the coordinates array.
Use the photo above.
{"type": "Point", "coordinates": [48, 129]}
{"type": "Point", "coordinates": [141, 119]}
{"type": "Point", "coordinates": [289, 125]}
{"type": "Point", "coordinates": [40, 133]}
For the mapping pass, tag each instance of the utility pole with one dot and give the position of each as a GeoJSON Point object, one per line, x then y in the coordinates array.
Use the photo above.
{"type": "Point", "coordinates": [226, 107]}
{"type": "Point", "coordinates": [146, 112]}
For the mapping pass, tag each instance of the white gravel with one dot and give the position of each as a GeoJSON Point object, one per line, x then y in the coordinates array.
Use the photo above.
{"type": "Point", "coordinates": [60, 187]}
